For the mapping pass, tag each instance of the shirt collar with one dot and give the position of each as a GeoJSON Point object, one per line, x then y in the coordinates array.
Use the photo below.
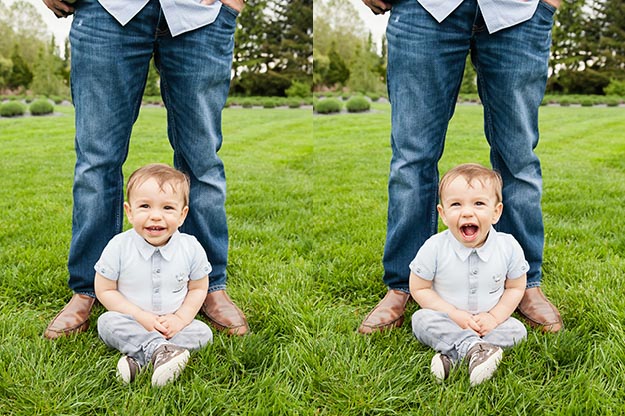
{"type": "Point", "coordinates": [483, 252]}
{"type": "Point", "coordinates": [147, 250]}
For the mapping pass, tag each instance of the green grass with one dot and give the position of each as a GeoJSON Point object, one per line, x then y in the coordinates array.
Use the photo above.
{"type": "Point", "coordinates": [307, 222]}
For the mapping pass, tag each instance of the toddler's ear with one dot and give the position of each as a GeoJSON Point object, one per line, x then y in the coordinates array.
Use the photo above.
{"type": "Point", "coordinates": [183, 215]}
{"type": "Point", "coordinates": [441, 213]}
{"type": "Point", "coordinates": [128, 211]}
{"type": "Point", "coordinates": [497, 213]}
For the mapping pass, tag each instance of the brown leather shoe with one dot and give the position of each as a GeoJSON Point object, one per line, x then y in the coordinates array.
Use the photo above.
{"type": "Point", "coordinates": [539, 312]}
{"type": "Point", "coordinates": [72, 319]}
{"type": "Point", "coordinates": [388, 314]}
{"type": "Point", "coordinates": [219, 309]}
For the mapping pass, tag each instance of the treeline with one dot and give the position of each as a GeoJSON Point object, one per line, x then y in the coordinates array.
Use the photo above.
{"type": "Point", "coordinates": [273, 51]}
{"type": "Point", "coordinates": [274, 54]}
{"type": "Point", "coordinates": [29, 58]}
{"type": "Point", "coordinates": [589, 48]}
{"type": "Point", "coordinates": [588, 53]}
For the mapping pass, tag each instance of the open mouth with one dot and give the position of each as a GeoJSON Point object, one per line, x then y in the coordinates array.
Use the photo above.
{"type": "Point", "coordinates": [469, 231]}
{"type": "Point", "coordinates": [154, 229]}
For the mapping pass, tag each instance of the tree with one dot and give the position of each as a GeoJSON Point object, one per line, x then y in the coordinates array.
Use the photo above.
{"type": "Point", "coordinates": [273, 47]}
{"type": "Point", "coordinates": [6, 67]}
{"type": "Point", "coordinates": [337, 73]}
{"type": "Point", "coordinates": [21, 75]}
{"type": "Point", "coordinates": [363, 74]}
{"type": "Point", "coordinates": [47, 79]}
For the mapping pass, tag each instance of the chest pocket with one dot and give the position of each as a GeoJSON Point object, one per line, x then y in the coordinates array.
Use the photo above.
{"type": "Point", "coordinates": [496, 283]}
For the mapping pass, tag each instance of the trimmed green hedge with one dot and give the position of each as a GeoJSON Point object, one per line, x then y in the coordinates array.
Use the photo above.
{"type": "Point", "coordinates": [328, 105]}
{"type": "Point", "coordinates": [41, 107]}
{"type": "Point", "coordinates": [357, 105]}
{"type": "Point", "coordinates": [12, 109]}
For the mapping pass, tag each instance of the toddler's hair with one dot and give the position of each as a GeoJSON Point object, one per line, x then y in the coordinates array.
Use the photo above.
{"type": "Point", "coordinates": [471, 172]}
{"type": "Point", "coordinates": [164, 175]}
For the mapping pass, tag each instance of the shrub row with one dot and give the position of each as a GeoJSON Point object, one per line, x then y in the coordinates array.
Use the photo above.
{"type": "Point", "coordinates": [356, 104]}
{"type": "Point", "coordinates": [30, 98]}
{"type": "Point", "coordinates": [16, 108]}
{"type": "Point", "coordinates": [269, 102]}
{"type": "Point", "coordinates": [564, 100]}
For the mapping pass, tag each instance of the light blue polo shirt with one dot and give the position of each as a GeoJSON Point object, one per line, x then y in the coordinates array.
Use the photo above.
{"type": "Point", "coordinates": [153, 278]}
{"type": "Point", "coordinates": [471, 279]}
{"type": "Point", "coordinates": [181, 15]}
{"type": "Point", "coordinates": [498, 14]}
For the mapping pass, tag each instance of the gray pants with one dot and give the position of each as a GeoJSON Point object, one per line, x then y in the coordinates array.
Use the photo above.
{"type": "Point", "coordinates": [129, 337]}
{"type": "Point", "coordinates": [439, 331]}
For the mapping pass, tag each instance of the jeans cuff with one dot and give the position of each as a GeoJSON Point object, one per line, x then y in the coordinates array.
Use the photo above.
{"type": "Point", "coordinates": [215, 288]}
{"type": "Point", "coordinates": [90, 294]}
{"type": "Point", "coordinates": [401, 289]}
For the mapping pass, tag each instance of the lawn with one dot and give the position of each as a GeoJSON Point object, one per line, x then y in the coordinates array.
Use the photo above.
{"type": "Point", "coordinates": [307, 226]}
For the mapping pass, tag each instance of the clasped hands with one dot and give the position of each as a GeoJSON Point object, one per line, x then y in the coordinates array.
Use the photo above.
{"type": "Point", "coordinates": [168, 325]}
{"type": "Point", "coordinates": [482, 323]}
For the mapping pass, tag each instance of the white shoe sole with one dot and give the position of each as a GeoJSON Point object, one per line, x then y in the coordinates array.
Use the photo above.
{"type": "Point", "coordinates": [437, 368]}
{"type": "Point", "coordinates": [170, 370]}
{"type": "Point", "coordinates": [486, 370]}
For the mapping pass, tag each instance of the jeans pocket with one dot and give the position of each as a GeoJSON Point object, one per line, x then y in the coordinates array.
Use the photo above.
{"type": "Point", "coordinates": [230, 10]}
{"type": "Point", "coordinates": [551, 8]}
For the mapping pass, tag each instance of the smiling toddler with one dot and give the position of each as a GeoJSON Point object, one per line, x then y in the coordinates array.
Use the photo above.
{"type": "Point", "coordinates": [152, 279]}
{"type": "Point", "coordinates": [469, 278]}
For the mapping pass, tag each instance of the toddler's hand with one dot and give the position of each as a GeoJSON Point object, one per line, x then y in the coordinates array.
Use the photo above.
{"type": "Point", "coordinates": [171, 323]}
{"type": "Point", "coordinates": [464, 319]}
{"type": "Point", "coordinates": [486, 321]}
{"type": "Point", "coordinates": [149, 321]}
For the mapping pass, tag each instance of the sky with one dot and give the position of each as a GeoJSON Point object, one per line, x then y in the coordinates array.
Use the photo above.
{"type": "Point", "coordinates": [60, 27]}
{"type": "Point", "coordinates": [376, 24]}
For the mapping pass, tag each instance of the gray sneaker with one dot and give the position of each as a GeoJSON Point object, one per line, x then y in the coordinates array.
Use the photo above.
{"type": "Point", "coordinates": [440, 366]}
{"type": "Point", "coordinates": [168, 361]}
{"type": "Point", "coordinates": [483, 361]}
{"type": "Point", "coordinates": [127, 369]}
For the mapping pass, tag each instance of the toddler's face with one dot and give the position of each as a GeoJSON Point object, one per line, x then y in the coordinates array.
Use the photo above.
{"type": "Point", "coordinates": [469, 210]}
{"type": "Point", "coordinates": [155, 213]}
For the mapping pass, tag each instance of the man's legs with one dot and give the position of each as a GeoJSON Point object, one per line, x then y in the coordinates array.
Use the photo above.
{"type": "Point", "coordinates": [425, 66]}
{"type": "Point", "coordinates": [512, 67]}
{"type": "Point", "coordinates": [109, 68]}
{"type": "Point", "coordinates": [195, 78]}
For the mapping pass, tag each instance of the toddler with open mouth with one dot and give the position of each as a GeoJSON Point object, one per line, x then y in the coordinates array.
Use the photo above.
{"type": "Point", "coordinates": [469, 278]}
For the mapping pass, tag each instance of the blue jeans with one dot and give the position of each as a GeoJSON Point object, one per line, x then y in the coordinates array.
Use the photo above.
{"type": "Point", "coordinates": [129, 337]}
{"type": "Point", "coordinates": [438, 331]}
{"type": "Point", "coordinates": [108, 75]}
{"type": "Point", "coordinates": [426, 62]}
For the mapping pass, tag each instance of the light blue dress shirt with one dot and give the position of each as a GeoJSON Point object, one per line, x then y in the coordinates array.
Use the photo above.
{"type": "Point", "coordinates": [181, 15]}
{"type": "Point", "coordinates": [498, 14]}
{"type": "Point", "coordinates": [153, 278]}
{"type": "Point", "coordinates": [471, 279]}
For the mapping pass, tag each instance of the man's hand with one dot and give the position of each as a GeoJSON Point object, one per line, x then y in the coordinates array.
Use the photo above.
{"type": "Point", "coordinates": [233, 4]}
{"type": "Point", "coordinates": [59, 8]}
{"type": "Point", "coordinates": [554, 3]}
{"type": "Point", "coordinates": [377, 6]}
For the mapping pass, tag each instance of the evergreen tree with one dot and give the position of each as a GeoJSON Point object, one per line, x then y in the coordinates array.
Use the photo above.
{"type": "Point", "coordinates": [21, 75]}
{"type": "Point", "coordinates": [337, 73]}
